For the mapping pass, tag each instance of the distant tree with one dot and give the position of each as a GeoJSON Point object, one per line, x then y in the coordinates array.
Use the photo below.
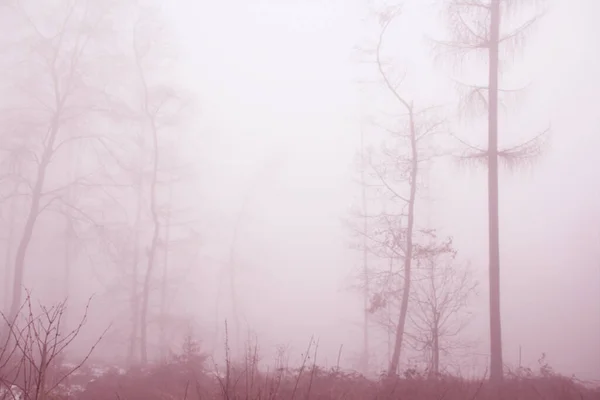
{"type": "Point", "coordinates": [476, 27]}
{"type": "Point", "coordinates": [124, 244]}
{"type": "Point", "coordinates": [441, 295]}
{"type": "Point", "coordinates": [160, 111]}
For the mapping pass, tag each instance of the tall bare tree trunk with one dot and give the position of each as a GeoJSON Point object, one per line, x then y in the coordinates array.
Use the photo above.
{"type": "Point", "coordinates": [165, 277]}
{"type": "Point", "coordinates": [391, 333]}
{"type": "Point", "coordinates": [69, 238]}
{"type": "Point", "coordinates": [151, 251]}
{"type": "Point", "coordinates": [135, 300]}
{"type": "Point", "coordinates": [151, 120]}
{"type": "Point", "coordinates": [366, 288]}
{"type": "Point", "coordinates": [435, 348]}
{"type": "Point", "coordinates": [496, 365]}
{"type": "Point", "coordinates": [70, 233]}
{"type": "Point", "coordinates": [408, 253]}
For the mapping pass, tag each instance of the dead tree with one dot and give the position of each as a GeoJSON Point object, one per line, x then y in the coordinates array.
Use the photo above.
{"type": "Point", "coordinates": [476, 26]}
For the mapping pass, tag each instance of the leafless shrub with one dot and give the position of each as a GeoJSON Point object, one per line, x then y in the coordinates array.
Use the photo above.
{"type": "Point", "coordinates": [33, 350]}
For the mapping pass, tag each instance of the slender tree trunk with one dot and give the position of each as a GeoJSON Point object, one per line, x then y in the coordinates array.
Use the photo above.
{"type": "Point", "coordinates": [163, 289]}
{"type": "Point", "coordinates": [496, 365]}
{"type": "Point", "coordinates": [146, 295]}
{"type": "Point", "coordinates": [408, 254]}
{"type": "Point", "coordinates": [69, 238]}
{"type": "Point", "coordinates": [151, 252]}
{"type": "Point", "coordinates": [390, 334]}
{"type": "Point", "coordinates": [366, 289]}
{"type": "Point", "coordinates": [135, 300]}
{"type": "Point", "coordinates": [42, 372]}
{"type": "Point", "coordinates": [151, 117]}
{"type": "Point", "coordinates": [435, 351]}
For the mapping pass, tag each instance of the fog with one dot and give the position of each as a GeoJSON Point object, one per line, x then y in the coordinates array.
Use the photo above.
{"type": "Point", "coordinates": [277, 94]}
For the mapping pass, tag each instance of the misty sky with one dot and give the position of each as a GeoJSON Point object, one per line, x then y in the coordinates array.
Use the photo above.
{"type": "Point", "coordinates": [279, 115]}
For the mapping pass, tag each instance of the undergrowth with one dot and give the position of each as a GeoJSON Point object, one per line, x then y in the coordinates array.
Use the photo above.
{"type": "Point", "coordinates": [194, 376]}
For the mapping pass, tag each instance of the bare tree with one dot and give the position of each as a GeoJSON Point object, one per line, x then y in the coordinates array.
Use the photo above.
{"type": "Point", "coordinates": [161, 106]}
{"type": "Point", "coordinates": [178, 244]}
{"type": "Point", "coordinates": [365, 256]}
{"type": "Point", "coordinates": [52, 100]}
{"type": "Point", "coordinates": [60, 99]}
{"type": "Point", "coordinates": [135, 259]}
{"type": "Point", "coordinates": [393, 234]}
{"type": "Point", "coordinates": [125, 241]}
{"type": "Point", "coordinates": [476, 27]}
{"type": "Point", "coordinates": [150, 113]}
{"type": "Point", "coordinates": [412, 162]}
{"type": "Point", "coordinates": [441, 295]}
